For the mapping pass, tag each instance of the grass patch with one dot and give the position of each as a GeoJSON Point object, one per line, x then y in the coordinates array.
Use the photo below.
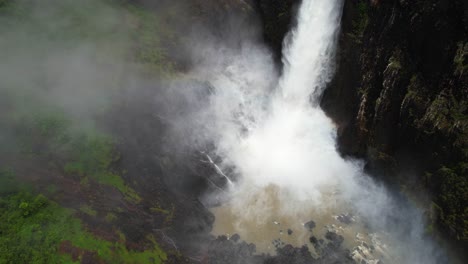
{"type": "Point", "coordinates": [33, 228]}
{"type": "Point", "coordinates": [43, 133]}
{"type": "Point", "coordinates": [150, 36]}
{"type": "Point", "coordinates": [169, 213]}
{"type": "Point", "coordinates": [8, 181]}
{"type": "Point", "coordinates": [92, 156]}
{"type": "Point", "coordinates": [87, 154]}
{"type": "Point", "coordinates": [88, 210]}
{"type": "Point", "coordinates": [159, 210]}
{"type": "Point", "coordinates": [110, 217]}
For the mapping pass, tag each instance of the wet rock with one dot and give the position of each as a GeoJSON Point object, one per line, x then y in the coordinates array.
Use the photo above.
{"type": "Point", "coordinates": [277, 243]}
{"type": "Point", "coordinates": [287, 250]}
{"type": "Point", "coordinates": [316, 243]}
{"type": "Point", "coordinates": [361, 254]}
{"type": "Point", "coordinates": [277, 17]}
{"type": "Point", "coordinates": [235, 237]}
{"type": "Point", "coordinates": [313, 240]}
{"type": "Point", "coordinates": [332, 254]}
{"type": "Point", "coordinates": [252, 248]}
{"type": "Point", "coordinates": [290, 254]}
{"type": "Point", "coordinates": [345, 218]}
{"type": "Point", "coordinates": [390, 96]}
{"type": "Point", "coordinates": [227, 251]}
{"type": "Point", "coordinates": [335, 239]}
{"type": "Point", "coordinates": [310, 225]}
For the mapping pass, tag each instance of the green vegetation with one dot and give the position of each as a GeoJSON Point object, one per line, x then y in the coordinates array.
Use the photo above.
{"type": "Point", "coordinates": [361, 21]}
{"type": "Point", "coordinates": [459, 111]}
{"type": "Point", "coordinates": [42, 134]}
{"type": "Point", "coordinates": [394, 63]}
{"type": "Point", "coordinates": [92, 156]}
{"type": "Point", "coordinates": [446, 114]}
{"type": "Point", "coordinates": [87, 154]}
{"type": "Point", "coordinates": [416, 101]}
{"type": "Point", "coordinates": [8, 181]}
{"type": "Point", "coordinates": [35, 229]}
{"type": "Point", "coordinates": [452, 194]}
{"type": "Point", "coordinates": [88, 210]}
{"type": "Point", "coordinates": [110, 217]}
{"type": "Point", "coordinates": [150, 36]}
{"type": "Point", "coordinates": [159, 210]}
{"type": "Point", "coordinates": [460, 59]}
{"type": "Point", "coordinates": [168, 212]}
{"type": "Point", "coordinates": [3, 3]}
{"type": "Point", "coordinates": [429, 229]}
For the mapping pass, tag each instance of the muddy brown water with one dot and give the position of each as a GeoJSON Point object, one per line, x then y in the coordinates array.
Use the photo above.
{"type": "Point", "coordinates": [263, 216]}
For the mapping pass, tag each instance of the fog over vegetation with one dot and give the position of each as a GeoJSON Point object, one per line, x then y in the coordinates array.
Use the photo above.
{"type": "Point", "coordinates": [123, 123]}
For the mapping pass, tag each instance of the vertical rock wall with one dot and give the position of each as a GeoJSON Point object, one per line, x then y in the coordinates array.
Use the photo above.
{"type": "Point", "coordinates": [400, 100]}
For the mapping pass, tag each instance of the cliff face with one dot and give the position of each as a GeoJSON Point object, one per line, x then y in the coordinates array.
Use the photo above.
{"type": "Point", "coordinates": [277, 17]}
{"type": "Point", "coordinates": [400, 100]}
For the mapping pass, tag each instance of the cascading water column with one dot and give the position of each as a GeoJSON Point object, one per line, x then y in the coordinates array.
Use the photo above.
{"type": "Point", "coordinates": [309, 51]}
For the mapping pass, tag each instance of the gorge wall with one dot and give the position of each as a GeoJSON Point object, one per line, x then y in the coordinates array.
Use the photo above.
{"type": "Point", "coordinates": [400, 100]}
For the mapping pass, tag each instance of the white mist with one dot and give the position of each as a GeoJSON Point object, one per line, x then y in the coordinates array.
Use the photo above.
{"type": "Point", "coordinates": [272, 131]}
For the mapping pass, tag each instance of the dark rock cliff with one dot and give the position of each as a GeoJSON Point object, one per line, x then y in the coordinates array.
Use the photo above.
{"type": "Point", "coordinates": [277, 19]}
{"type": "Point", "coordinates": [400, 100]}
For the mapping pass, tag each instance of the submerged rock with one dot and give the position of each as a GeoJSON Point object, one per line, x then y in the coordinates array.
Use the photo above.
{"type": "Point", "coordinates": [345, 218]}
{"type": "Point", "coordinates": [335, 239]}
{"type": "Point", "coordinates": [313, 240]}
{"type": "Point", "coordinates": [362, 254]}
{"type": "Point", "coordinates": [290, 254]}
{"type": "Point", "coordinates": [227, 251]}
{"type": "Point", "coordinates": [277, 243]}
{"type": "Point", "coordinates": [235, 237]}
{"type": "Point", "coordinates": [310, 225]}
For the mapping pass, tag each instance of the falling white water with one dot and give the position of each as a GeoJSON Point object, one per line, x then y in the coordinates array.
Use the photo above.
{"type": "Point", "coordinates": [293, 144]}
{"type": "Point", "coordinates": [271, 131]}
{"type": "Point", "coordinates": [308, 55]}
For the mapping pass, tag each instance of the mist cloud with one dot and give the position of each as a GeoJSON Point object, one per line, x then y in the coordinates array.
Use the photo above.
{"type": "Point", "coordinates": [270, 129]}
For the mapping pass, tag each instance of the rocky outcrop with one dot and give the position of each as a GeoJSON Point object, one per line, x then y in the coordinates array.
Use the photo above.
{"type": "Point", "coordinates": [400, 99]}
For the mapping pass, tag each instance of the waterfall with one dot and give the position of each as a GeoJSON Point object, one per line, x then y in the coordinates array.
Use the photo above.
{"type": "Point", "coordinates": [293, 144]}
{"type": "Point", "coordinates": [271, 131]}
{"type": "Point", "coordinates": [309, 50]}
